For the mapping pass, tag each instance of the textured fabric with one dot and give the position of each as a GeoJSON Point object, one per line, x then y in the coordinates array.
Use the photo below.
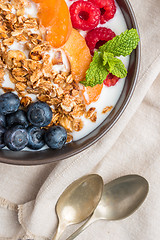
{"type": "Point", "coordinates": [28, 194]}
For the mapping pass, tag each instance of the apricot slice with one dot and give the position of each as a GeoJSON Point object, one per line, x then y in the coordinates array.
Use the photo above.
{"type": "Point", "coordinates": [92, 94]}
{"type": "Point", "coordinates": [54, 15]}
{"type": "Point", "coordinates": [78, 54]}
{"type": "Point", "coordinates": [47, 11]}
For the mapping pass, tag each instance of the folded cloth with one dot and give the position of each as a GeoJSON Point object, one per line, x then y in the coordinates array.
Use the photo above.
{"type": "Point", "coordinates": [29, 194]}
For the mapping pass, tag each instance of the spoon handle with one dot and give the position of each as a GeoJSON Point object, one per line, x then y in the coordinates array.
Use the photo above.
{"type": "Point", "coordinates": [82, 228]}
{"type": "Point", "coordinates": [59, 232]}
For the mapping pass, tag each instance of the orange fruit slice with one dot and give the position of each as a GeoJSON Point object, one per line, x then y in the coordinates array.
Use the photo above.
{"type": "Point", "coordinates": [54, 15]}
{"type": "Point", "coordinates": [92, 94]}
{"type": "Point", "coordinates": [78, 54]}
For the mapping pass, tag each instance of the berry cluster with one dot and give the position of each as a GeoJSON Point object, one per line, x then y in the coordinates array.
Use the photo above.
{"type": "Point", "coordinates": [86, 15]}
{"type": "Point", "coordinates": [20, 129]}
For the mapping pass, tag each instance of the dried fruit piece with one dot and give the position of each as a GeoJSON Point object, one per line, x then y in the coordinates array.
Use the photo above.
{"type": "Point", "coordinates": [57, 59]}
{"type": "Point", "coordinates": [54, 15]}
{"type": "Point", "coordinates": [92, 94]}
{"type": "Point", "coordinates": [78, 54]}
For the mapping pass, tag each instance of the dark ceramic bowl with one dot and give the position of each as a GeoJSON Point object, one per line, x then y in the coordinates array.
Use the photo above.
{"type": "Point", "coordinates": [48, 156]}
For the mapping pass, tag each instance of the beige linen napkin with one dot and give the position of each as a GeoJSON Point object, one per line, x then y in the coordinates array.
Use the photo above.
{"type": "Point", "coordinates": [29, 194]}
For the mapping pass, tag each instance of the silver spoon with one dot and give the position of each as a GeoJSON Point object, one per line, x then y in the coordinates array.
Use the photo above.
{"type": "Point", "coordinates": [78, 201]}
{"type": "Point", "coordinates": [120, 198]}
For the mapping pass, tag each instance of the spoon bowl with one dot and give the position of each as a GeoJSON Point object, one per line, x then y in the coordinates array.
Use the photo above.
{"type": "Point", "coordinates": [78, 201]}
{"type": "Point", "coordinates": [120, 198]}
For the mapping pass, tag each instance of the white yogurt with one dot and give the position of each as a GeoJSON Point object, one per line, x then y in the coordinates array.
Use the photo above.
{"type": "Point", "coordinates": [32, 10]}
{"type": "Point", "coordinates": [109, 95]}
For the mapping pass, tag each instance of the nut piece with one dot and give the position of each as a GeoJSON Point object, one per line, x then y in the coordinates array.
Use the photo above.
{"type": "Point", "coordinates": [54, 120]}
{"type": "Point", "coordinates": [36, 54]}
{"type": "Point", "coordinates": [69, 79]}
{"type": "Point", "coordinates": [8, 41]}
{"type": "Point", "coordinates": [19, 74]}
{"type": "Point", "coordinates": [2, 72]}
{"type": "Point", "coordinates": [43, 98]}
{"type": "Point", "coordinates": [26, 101]}
{"type": "Point", "coordinates": [66, 123]}
{"type": "Point", "coordinates": [14, 58]}
{"type": "Point", "coordinates": [3, 32]}
{"type": "Point", "coordinates": [38, 51]}
{"type": "Point", "coordinates": [31, 23]}
{"type": "Point", "coordinates": [77, 125]}
{"type": "Point", "coordinates": [69, 138]}
{"type": "Point", "coordinates": [20, 87]}
{"type": "Point", "coordinates": [107, 109]}
{"type": "Point", "coordinates": [92, 114]}
{"type": "Point", "coordinates": [67, 103]}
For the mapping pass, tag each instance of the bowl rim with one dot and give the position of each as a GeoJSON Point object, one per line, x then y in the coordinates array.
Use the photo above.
{"type": "Point", "coordinates": [113, 121]}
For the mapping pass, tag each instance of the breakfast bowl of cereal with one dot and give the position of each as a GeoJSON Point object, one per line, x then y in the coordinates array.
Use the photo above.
{"type": "Point", "coordinates": [67, 72]}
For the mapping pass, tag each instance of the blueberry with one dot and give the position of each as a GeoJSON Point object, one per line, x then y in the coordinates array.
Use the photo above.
{"type": "Point", "coordinates": [55, 137]}
{"type": "Point", "coordinates": [2, 120]}
{"type": "Point", "coordinates": [16, 138]}
{"type": "Point", "coordinates": [17, 118]}
{"type": "Point", "coordinates": [9, 103]}
{"type": "Point", "coordinates": [2, 131]}
{"type": "Point", "coordinates": [39, 114]}
{"type": "Point", "coordinates": [36, 137]}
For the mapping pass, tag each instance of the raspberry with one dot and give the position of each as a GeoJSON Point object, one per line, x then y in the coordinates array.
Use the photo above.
{"type": "Point", "coordinates": [99, 3]}
{"type": "Point", "coordinates": [111, 80]}
{"type": "Point", "coordinates": [108, 11]}
{"type": "Point", "coordinates": [97, 37]}
{"type": "Point", "coordinates": [84, 15]}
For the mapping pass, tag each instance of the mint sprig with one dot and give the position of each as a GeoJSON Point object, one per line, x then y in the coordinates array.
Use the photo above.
{"type": "Point", "coordinates": [114, 65]}
{"type": "Point", "coordinates": [123, 44]}
{"type": "Point", "coordinates": [97, 72]}
{"type": "Point", "coordinates": [104, 60]}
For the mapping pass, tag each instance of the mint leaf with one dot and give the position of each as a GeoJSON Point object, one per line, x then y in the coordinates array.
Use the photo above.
{"type": "Point", "coordinates": [123, 44]}
{"type": "Point", "coordinates": [106, 57]}
{"type": "Point", "coordinates": [117, 68]}
{"type": "Point", "coordinates": [114, 65]}
{"type": "Point", "coordinates": [97, 72]}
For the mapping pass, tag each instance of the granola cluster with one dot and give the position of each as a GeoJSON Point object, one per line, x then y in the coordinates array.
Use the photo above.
{"type": "Point", "coordinates": [31, 69]}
